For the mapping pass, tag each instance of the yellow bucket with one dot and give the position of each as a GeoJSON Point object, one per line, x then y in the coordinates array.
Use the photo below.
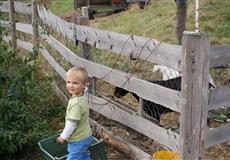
{"type": "Point", "coordinates": [166, 155]}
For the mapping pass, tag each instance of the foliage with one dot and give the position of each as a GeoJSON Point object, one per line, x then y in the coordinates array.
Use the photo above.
{"type": "Point", "coordinates": [25, 104]}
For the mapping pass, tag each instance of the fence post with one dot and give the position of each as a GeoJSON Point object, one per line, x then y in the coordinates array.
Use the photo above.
{"type": "Point", "coordinates": [84, 47]}
{"type": "Point", "coordinates": [140, 109]}
{"type": "Point", "coordinates": [195, 82]}
{"type": "Point", "coordinates": [35, 25]}
{"type": "Point", "coordinates": [13, 26]}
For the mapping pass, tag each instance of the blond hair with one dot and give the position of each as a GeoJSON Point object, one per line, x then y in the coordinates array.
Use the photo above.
{"type": "Point", "coordinates": [79, 69]}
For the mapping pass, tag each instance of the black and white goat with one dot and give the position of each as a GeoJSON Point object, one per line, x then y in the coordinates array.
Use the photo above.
{"type": "Point", "coordinates": [153, 109]}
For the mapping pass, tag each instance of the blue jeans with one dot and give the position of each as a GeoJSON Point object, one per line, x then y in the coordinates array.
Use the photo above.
{"type": "Point", "coordinates": [78, 150]}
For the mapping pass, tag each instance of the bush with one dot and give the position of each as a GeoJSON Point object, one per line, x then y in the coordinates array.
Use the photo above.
{"type": "Point", "coordinates": [26, 106]}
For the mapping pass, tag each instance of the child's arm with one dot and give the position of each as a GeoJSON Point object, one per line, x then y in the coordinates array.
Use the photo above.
{"type": "Point", "coordinates": [70, 125]}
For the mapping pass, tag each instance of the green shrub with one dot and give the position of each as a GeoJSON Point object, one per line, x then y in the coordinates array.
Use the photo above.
{"type": "Point", "coordinates": [26, 104]}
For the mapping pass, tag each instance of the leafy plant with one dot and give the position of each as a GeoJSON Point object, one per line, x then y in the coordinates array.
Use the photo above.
{"type": "Point", "coordinates": [26, 106]}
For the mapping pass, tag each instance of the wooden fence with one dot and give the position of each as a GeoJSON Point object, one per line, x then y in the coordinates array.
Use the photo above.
{"type": "Point", "coordinates": [193, 59]}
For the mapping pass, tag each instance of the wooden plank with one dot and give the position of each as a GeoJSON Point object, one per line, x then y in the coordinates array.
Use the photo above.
{"type": "Point", "coordinates": [4, 7]}
{"type": "Point", "coordinates": [147, 90]}
{"type": "Point", "coordinates": [35, 24]}
{"type": "Point", "coordinates": [219, 97]}
{"type": "Point", "coordinates": [59, 93]}
{"type": "Point", "coordinates": [166, 96]}
{"type": "Point", "coordinates": [59, 69]}
{"type": "Point", "coordinates": [20, 7]}
{"type": "Point", "coordinates": [23, 44]}
{"type": "Point", "coordinates": [145, 48]}
{"type": "Point", "coordinates": [218, 135]}
{"type": "Point", "coordinates": [195, 77]}
{"type": "Point", "coordinates": [84, 11]}
{"type": "Point", "coordinates": [220, 55]}
{"type": "Point", "coordinates": [84, 48]}
{"type": "Point", "coordinates": [5, 23]}
{"type": "Point", "coordinates": [151, 130]}
{"type": "Point", "coordinates": [24, 27]}
{"type": "Point", "coordinates": [57, 24]}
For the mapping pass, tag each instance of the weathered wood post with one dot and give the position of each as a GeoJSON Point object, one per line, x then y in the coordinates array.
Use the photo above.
{"type": "Point", "coordinates": [35, 25]}
{"type": "Point", "coordinates": [195, 82]}
{"type": "Point", "coordinates": [84, 47]}
{"type": "Point", "coordinates": [140, 109]}
{"type": "Point", "coordinates": [13, 26]}
{"type": "Point", "coordinates": [35, 39]}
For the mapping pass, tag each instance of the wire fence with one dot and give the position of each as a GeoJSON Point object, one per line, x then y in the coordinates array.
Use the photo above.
{"type": "Point", "coordinates": [154, 73]}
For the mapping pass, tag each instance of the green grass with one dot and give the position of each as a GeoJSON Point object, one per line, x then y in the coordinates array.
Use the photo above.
{"type": "Point", "coordinates": [60, 8]}
{"type": "Point", "coordinates": [158, 19]}
{"type": "Point", "coordinates": [145, 23]}
{"type": "Point", "coordinates": [215, 19]}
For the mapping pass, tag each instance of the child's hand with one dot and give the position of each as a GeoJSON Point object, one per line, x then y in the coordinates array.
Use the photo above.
{"type": "Point", "coordinates": [60, 140]}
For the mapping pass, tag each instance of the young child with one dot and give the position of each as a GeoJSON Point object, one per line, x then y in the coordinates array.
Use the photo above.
{"type": "Point", "coordinates": [77, 130]}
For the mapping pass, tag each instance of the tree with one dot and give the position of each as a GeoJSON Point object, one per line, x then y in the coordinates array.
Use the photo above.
{"type": "Point", "coordinates": [181, 17]}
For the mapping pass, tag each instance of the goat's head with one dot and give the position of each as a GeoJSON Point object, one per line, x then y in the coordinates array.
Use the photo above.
{"type": "Point", "coordinates": [120, 92]}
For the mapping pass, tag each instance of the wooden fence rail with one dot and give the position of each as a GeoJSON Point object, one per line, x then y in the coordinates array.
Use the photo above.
{"type": "Point", "coordinates": [167, 97]}
{"type": "Point", "coordinates": [144, 48]}
{"type": "Point", "coordinates": [142, 88]}
{"type": "Point", "coordinates": [57, 24]}
{"type": "Point", "coordinates": [219, 97]}
{"type": "Point", "coordinates": [220, 55]}
{"type": "Point", "coordinates": [19, 7]}
{"type": "Point", "coordinates": [218, 135]}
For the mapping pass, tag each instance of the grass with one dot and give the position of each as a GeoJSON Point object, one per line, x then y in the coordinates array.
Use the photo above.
{"type": "Point", "coordinates": [158, 19]}
{"type": "Point", "coordinates": [61, 7]}
{"type": "Point", "coordinates": [144, 22]}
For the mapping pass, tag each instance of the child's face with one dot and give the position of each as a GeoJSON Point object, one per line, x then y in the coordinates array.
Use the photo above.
{"type": "Point", "coordinates": [75, 83]}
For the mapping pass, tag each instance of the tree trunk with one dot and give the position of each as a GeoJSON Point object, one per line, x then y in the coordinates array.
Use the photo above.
{"type": "Point", "coordinates": [181, 16]}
